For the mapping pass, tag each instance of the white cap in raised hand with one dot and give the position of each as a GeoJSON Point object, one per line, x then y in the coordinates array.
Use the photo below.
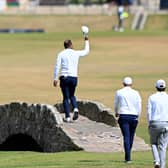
{"type": "Point", "coordinates": [85, 30]}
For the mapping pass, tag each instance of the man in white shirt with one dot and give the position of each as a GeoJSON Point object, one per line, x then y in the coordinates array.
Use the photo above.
{"type": "Point", "coordinates": [67, 63]}
{"type": "Point", "coordinates": [127, 106]}
{"type": "Point", "coordinates": [157, 114]}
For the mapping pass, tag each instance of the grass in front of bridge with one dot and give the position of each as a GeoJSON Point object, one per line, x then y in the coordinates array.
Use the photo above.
{"type": "Point", "coordinates": [73, 159]}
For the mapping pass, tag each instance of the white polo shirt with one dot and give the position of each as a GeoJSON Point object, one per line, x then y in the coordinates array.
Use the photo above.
{"type": "Point", "coordinates": [67, 61]}
{"type": "Point", "coordinates": [157, 107]}
{"type": "Point", "coordinates": [127, 101]}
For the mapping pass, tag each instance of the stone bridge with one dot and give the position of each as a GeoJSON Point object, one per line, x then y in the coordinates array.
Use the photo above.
{"type": "Point", "coordinates": [39, 127]}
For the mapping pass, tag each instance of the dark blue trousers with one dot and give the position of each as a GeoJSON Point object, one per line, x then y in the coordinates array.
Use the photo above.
{"type": "Point", "coordinates": [68, 85]}
{"type": "Point", "coordinates": [124, 2]}
{"type": "Point", "coordinates": [128, 125]}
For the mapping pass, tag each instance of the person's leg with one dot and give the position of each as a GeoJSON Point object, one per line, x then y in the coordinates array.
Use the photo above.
{"type": "Point", "coordinates": [65, 93]}
{"type": "Point", "coordinates": [124, 126]}
{"type": "Point", "coordinates": [73, 84]}
{"type": "Point", "coordinates": [154, 133]}
{"type": "Point", "coordinates": [120, 20]}
{"type": "Point", "coordinates": [72, 88]}
{"type": "Point", "coordinates": [155, 152]}
{"type": "Point", "coordinates": [133, 126]}
{"type": "Point", "coordinates": [163, 142]}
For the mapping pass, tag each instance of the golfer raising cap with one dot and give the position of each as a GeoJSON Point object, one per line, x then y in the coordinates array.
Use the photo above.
{"type": "Point", "coordinates": [157, 114]}
{"type": "Point", "coordinates": [67, 63]}
{"type": "Point", "coordinates": [127, 106]}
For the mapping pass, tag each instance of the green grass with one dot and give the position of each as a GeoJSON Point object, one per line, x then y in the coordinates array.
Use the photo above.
{"type": "Point", "coordinates": [26, 66]}
{"type": "Point", "coordinates": [72, 159]}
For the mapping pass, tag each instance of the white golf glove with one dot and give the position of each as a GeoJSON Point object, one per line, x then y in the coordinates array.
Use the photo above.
{"type": "Point", "coordinates": [85, 31]}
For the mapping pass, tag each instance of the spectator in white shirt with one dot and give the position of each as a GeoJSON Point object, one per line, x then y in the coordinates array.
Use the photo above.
{"type": "Point", "coordinates": [157, 114]}
{"type": "Point", "coordinates": [67, 63]}
{"type": "Point", "coordinates": [127, 106]}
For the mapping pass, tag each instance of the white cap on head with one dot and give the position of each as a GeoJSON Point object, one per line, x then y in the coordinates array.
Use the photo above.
{"type": "Point", "coordinates": [160, 84]}
{"type": "Point", "coordinates": [127, 81]}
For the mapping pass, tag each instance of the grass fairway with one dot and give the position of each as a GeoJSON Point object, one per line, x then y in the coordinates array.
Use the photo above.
{"type": "Point", "coordinates": [72, 160]}
{"type": "Point", "coordinates": [26, 66]}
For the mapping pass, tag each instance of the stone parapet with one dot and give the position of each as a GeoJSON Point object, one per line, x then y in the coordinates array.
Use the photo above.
{"type": "Point", "coordinates": [94, 111]}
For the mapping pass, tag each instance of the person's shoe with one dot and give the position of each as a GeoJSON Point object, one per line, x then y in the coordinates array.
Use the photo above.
{"type": "Point", "coordinates": [68, 119]}
{"type": "Point", "coordinates": [75, 115]}
{"type": "Point", "coordinates": [115, 28]}
{"type": "Point", "coordinates": [121, 29]}
{"type": "Point", "coordinates": [157, 165]}
{"type": "Point", "coordinates": [128, 161]}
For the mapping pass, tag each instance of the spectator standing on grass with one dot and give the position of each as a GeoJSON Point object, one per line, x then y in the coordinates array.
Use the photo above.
{"type": "Point", "coordinates": [127, 106]}
{"type": "Point", "coordinates": [123, 7]}
{"type": "Point", "coordinates": [120, 12]}
{"type": "Point", "coordinates": [67, 63]}
{"type": "Point", "coordinates": [157, 114]}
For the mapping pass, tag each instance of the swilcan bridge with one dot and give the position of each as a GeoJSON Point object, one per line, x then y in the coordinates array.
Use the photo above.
{"type": "Point", "coordinates": [39, 127]}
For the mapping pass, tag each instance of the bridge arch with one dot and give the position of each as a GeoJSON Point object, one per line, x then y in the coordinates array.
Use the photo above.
{"type": "Point", "coordinates": [20, 142]}
{"type": "Point", "coordinates": [39, 123]}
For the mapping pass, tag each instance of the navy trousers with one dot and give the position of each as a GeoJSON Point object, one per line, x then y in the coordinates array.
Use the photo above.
{"type": "Point", "coordinates": [68, 85]}
{"type": "Point", "coordinates": [128, 125]}
{"type": "Point", "coordinates": [124, 2]}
